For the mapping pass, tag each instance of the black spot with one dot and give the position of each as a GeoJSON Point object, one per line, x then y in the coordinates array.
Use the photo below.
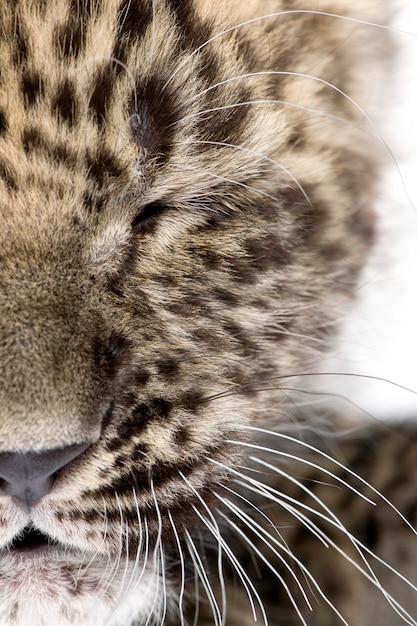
{"type": "Point", "coordinates": [266, 251]}
{"type": "Point", "coordinates": [166, 280]}
{"type": "Point", "coordinates": [32, 139]}
{"type": "Point", "coordinates": [8, 175]}
{"type": "Point", "coordinates": [133, 19]}
{"type": "Point", "coordinates": [140, 452]}
{"type": "Point", "coordinates": [210, 258]}
{"type": "Point", "coordinates": [153, 121]}
{"type": "Point", "coordinates": [182, 436]}
{"type": "Point", "coordinates": [64, 103]}
{"type": "Point", "coordinates": [225, 296]}
{"type": "Point", "coordinates": [120, 460]}
{"type": "Point", "coordinates": [129, 399]}
{"type": "Point", "coordinates": [103, 163]}
{"type": "Point", "coordinates": [62, 154]}
{"type": "Point", "coordinates": [3, 123]}
{"type": "Point", "coordinates": [156, 409]}
{"type": "Point", "coordinates": [192, 31]}
{"type": "Point", "coordinates": [107, 416]}
{"type": "Point", "coordinates": [32, 87]}
{"type": "Point", "coordinates": [69, 38]}
{"type": "Point", "coordinates": [93, 201]}
{"type": "Point", "coordinates": [209, 336]}
{"type": "Point", "coordinates": [225, 126]}
{"type": "Point", "coordinates": [103, 89]}
{"type": "Point", "coordinates": [141, 377]}
{"type": "Point", "coordinates": [192, 400]}
{"type": "Point", "coordinates": [140, 416]}
{"type": "Point", "coordinates": [21, 46]}
{"type": "Point", "coordinates": [167, 367]}
{"type": "Point", "coordinates": [91, 515]}
{"type": "Point", "coordinates": [130, 428]}
{"type": "Point", "coordinates": [160, 408]}
{"type": "Point", "coordinates": [84, 9]}
{"type": "Point", "coordinates": [180, 308]}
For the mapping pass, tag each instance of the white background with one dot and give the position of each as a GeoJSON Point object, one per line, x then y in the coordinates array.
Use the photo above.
{"type": "Point", "coordinates": [380, 339]}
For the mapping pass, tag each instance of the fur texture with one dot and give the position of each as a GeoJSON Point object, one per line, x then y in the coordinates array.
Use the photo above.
{"type": "Point", "coordinates": [186, 198]}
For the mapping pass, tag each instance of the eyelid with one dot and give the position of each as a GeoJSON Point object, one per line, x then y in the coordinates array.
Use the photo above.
{"type": "Point", "coordinates": [147, 216]}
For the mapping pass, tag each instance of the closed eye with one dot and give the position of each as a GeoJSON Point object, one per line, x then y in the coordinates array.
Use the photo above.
{"type": "Point", "coordinates": [145, 220]}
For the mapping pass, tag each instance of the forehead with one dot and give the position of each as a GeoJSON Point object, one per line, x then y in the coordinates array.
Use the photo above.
{"type": "Point", "coordinates": [98, 97]}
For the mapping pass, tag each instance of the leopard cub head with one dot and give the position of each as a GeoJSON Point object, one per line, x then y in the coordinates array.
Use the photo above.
{"type": "Point", "coordinates": [176, 215]}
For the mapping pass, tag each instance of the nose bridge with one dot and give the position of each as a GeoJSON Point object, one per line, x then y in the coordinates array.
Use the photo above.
{"type": "Point", "coordinates": [51, 391]}
{"type": "Point", "coordinates": [49, 379]}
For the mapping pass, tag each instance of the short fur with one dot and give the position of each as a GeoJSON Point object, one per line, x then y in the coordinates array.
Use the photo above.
{"type": "Point", "coordinates": [185, 206]}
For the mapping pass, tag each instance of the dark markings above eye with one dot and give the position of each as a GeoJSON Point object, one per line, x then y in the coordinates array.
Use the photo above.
{"type": "Point", "coordinates": [146, 219]}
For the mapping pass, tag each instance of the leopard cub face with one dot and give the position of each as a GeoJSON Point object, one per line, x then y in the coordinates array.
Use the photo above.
{"type": "Point", "coordinates": [181, 197]}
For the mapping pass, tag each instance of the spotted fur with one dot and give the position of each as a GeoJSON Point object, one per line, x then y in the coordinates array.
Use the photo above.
{"type": "Point", "coordinates": [186, 196]}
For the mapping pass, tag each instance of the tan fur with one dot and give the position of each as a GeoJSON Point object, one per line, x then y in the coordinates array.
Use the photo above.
{"type": "Point", "coordinates": [185, 208]}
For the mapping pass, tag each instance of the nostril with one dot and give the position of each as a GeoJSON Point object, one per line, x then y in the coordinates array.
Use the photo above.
{"type": "Point", "coordinates": [30, 475]}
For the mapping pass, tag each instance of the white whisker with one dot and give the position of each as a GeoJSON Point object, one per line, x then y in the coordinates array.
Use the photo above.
{"type": "Point", "coordinates": [332, 520]}
{"type": "Point", "coordinates": [338, 464]}
{"type": "Point", "coordinates": [199, 567]}
{"type": "Point", "coordinates": [261, 156]}
{"type": "Point", "coordinates": [229, 180]}
{"type": "Point", "coordinates": [299, 459]}
{"type": "Point", "coordinates": [274, 15]}
{"type": "Point", "coordinates": [252, 526]}
{"type": "Point", "coordinates": [182, 564]}
{"type": "Point", "coordinates": [116, 564]}
{"type": "Point", "coordinates": [218, 537]}
{"type": "Point", "coordinates": [285, 103]}
{"type": "Point", "coordinates": [158, 560]}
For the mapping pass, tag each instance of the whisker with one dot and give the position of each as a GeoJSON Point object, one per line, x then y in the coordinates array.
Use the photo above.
{"type": "Point", "coordinates": [229, 180]}
{"type": "Point", "coordinates": [338, 464]}
{"type": "Point", "coordinates": [217, 536]}
{"type": "Point", "coordinates": [182, 564]}
{"type": "Point", "coordinates": [283, 499]}
{"type": "Point", "coordinates": [263, 515]}
{"type": "Point", "coordinates": [244, 578]}
{"type": "Point", "coordinates": [334, 521]}
{"type": "Point", "coordinates": [327, 84]}
{"type": "Point", "coordinates": [285, 103]}
{"type": "Point", "coordinates": [274, 15]}
{"type": "Point", "coordinates": [215, 531]}
{"type": "Point", "coordinates": [116, 564]}
{"type": "Point", "coordinates": [291, 74]}
{"type": "Point", "coordinates": [294, 457]}
{"type": "Point", "coordinates": [158, 563]}
{"type": "Point", "coordinates": [258, 154]}
{"type": "Point", "coordinates": [242, 515]}
{"type": "Point", "coordinates": [251, 525]}
{"type": "Point", "coordinates": [341, 527]}
{"type": "Point", "coordinates": [139, 547]}
{"type": "Point", "coordinates": [196, 598]}
{"type": "Point", "coordinates": [199, 567]}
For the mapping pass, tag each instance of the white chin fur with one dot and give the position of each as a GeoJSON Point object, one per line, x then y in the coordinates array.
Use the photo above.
{"type": "Point", "coordinates": [45, 590]}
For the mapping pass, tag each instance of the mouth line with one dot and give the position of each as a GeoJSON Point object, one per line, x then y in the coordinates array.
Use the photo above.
{"type": "Point", "coordinates": [30, 539]}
